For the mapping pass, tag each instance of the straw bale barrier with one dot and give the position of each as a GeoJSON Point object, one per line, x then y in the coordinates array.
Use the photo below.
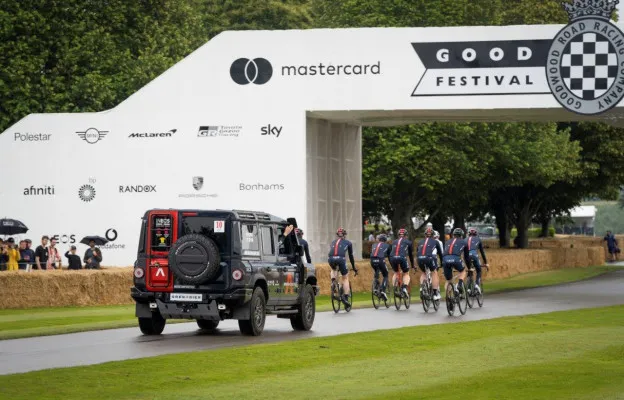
{"type": "Point", "coordinates": [112, 286]}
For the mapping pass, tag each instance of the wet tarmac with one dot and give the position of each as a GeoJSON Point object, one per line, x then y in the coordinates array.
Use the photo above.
{"type": "Point", "coordinates": [31, 354]}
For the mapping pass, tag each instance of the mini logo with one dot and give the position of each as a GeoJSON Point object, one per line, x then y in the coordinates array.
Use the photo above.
{"type": "Point", "coordinates": [147, 135]}
{"type": "Point", "coordinates": [219, 130]}
{"type": "Point", "coordinates": [271, 130]}
{"type": "Point", "coordinates": [582, 65]}
{"type": "Point", "coordinates": [137, 189]}
{"type": "Point", "coordinates": [258, 71]}
{"type": "Point", "coordinates": [39, 191]}
{"type": "Point", "coordinates": [92, 135]}
{"type": "Point", "coordinates": [198, 182]}
{"type": "Point", "coordinates": [86, 193]}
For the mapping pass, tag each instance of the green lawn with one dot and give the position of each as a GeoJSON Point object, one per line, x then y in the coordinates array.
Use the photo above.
{"type": "Point", "coordinates": [51, 321]}
{"type": "Point", "coordinates": [563, 355]}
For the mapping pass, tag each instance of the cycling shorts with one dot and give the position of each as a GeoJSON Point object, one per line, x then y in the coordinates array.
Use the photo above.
{"type": "Point", "coordinates": [338, 263]}
{"type": "Point", "coordinates": [427, 262]}
{"type": "Point", "coordinates": [450, 263]}
{"type": "Point", "coordinates": [474, 259]}
{"type": "Point", "coordinates": [397, 262]}
{"type": "Point", "coordinates": [377, 262]}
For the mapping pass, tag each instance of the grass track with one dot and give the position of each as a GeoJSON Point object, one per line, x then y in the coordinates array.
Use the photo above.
{"type": "Point", "coordinates": [52, 321]}
{"type": "Point", "coordinates": [564, 355]}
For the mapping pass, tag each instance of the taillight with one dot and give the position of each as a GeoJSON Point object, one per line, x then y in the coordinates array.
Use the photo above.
{"type": "Point", "coordinates": [237, 274]}
{"type": "Point", "coordinates": [139, 273]}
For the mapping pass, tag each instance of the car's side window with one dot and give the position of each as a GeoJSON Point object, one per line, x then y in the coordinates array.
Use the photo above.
{"type": "Point", "coordinates": [250, 241]}
{"type": "Point", "coordinates": [268, 245]}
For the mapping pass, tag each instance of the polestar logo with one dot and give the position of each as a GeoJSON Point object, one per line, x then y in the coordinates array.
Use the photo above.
{"type": "Point", "coordinates": [92, 135]}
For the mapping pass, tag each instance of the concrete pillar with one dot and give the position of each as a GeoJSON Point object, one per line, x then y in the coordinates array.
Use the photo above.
{"type": "Point", "coordinates": [334, 185]}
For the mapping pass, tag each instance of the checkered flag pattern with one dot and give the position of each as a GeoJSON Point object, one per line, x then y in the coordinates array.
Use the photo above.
{"type": "Point", "coordinates": [589, 65]}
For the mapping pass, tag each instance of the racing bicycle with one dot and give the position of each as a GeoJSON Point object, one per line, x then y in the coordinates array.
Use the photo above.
{"type": "Point", "coordinates": [456, 298]}
{"type": "Point", "coordinates": [399, 296]}
{"type": "Point", "coordinates": [336, 296]}
{"type": "Point", "coordinates": [426, 293]}
{"type": "Point", "coordinates": [472, 291]}
{"type": "Point", "coordinates": [376, 294]}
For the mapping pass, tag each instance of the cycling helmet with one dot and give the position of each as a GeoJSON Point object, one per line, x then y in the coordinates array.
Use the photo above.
{"type": "Point", "coordinates": [436, 234]}
{"type": "Point", "coordinates": [298, 232]}
{"type": "Point", "coordinates": [429, 232]}
{"type": "Point", "coordinates": [472, 231]}
{"type": "Point", "coordinates": [341, 232]}
{"type": "Point", "coordinates": [402, 232]}
{"type": "Point", "coordinates": [458, 232]}
{"type": "Point", "coordinates": [382, 238]}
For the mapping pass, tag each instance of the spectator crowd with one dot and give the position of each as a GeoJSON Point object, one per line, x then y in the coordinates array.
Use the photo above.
{"type": "Point", "coordinates": [46, 256]}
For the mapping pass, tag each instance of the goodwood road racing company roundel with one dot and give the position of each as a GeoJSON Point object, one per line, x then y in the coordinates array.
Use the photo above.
{"type": "Point", "coordinates": [585, 63]}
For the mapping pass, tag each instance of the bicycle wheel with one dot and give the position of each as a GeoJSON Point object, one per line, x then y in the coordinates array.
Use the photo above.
{"type": "Point", "coordinates": [450, 300]}
{"type": "Point", "coordinates": [470, 292]}
{"type": "Point", "coordinates": [335, 297]}
{"type": "Point", "coordinates": [348, 308]}
{"type": "Point", "coordinates": [386, 300]}
{"type": "Point", "coordinates": [480, 295]}
{"type": "Point", "coordinates": [375, 297]}
{"type": "Point", "coordinates": [424, 297]}
{"type": "Point", "coordinates": [436, 303]}
{"type": "Point", "coordinates": [462, 301]}
{"type": "Point", "coordinates": [397, 296]}
{"type": "Point", "coordinates": [408, 300]}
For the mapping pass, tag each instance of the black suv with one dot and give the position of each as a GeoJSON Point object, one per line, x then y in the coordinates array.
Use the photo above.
{"type": "Point", "coordinates": [215, 265]}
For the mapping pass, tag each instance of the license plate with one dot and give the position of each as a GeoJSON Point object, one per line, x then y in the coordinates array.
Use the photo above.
{"type": "Point", "coordinates": [185, 297]}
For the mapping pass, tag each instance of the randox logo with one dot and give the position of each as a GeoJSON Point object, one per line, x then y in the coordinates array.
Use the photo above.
{"type": "Point", "coordinates": [583, 65]}
{"type": "Point", "coordinates": [137, 189]}
{"type": "Point", "coordinates": [92, 135]}
{"type": "Point", "coordinates": [147, 135]}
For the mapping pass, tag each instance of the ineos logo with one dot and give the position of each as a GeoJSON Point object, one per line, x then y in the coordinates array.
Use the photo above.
{"type": "Point", "coordinates": [111, 234]}
{"type": "Point", "coordinates": [258, 71]}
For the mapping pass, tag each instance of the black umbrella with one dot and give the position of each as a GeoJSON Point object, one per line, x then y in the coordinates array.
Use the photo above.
{"type": "Point", "coordinates": [12, 227]}
{"type": "Point", "coordinates": [99, 240]}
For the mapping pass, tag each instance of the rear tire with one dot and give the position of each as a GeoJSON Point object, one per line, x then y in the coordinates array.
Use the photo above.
{"type": "Point", "coordinates": [206, 325]}
{"type": "Point", "coordinates": [307, 309]}
{"type": "Point", "coordinates": [450, 300]}
{"type": "Point", "coordinates": [348, 309]}
{"type": "Point", "coordinates": [463, 300]}
{"type": "Point", "coordinates": [255, 325]}
{"type": "Point", "coordinates": [376, 299]}
{"type": "Point", "coordinates": [470, 296]}
{"type": "Point", "coordinates": [424, 297]}
{"type": "Point", "coordinates": [408, 300]}
{"type": "Point", "coordinates": [397, 297]}
{"type": "Point", "coordinates": [480, 296]}
{"type": "Point", "coordinates": [335, 297]}
{"type": "Point", "coordinates": [152, 326]}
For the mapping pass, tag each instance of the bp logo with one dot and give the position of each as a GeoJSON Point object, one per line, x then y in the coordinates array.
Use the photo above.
{"type": "Point", "coordinates": [583, 62]}
{"type": "Point", "coordinates": [86, 193]}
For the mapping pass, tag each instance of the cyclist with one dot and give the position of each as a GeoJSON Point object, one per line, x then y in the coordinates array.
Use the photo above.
{"type": "Point", "coordinates": [304, 244]}
{"type": "Point", "coordinates": [401, 249]}
{"type": "Point", "coordinates": [338, 250]}
{"type": "Point", "coordinates": [453, 251]}
{"type": "Point", "coordinates": [474, 244]}
{"type": "Point", "coordinates": [427, 250]}
{"type": "Point", "coordinates": [379, 252]}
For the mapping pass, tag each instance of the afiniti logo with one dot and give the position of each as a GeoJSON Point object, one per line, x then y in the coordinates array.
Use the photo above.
{"type": "Point", "coordinates": [258, 71]}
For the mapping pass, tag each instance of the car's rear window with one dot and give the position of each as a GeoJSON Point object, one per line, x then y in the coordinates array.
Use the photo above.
{"type": "Point", "coordinates": [215, 228]}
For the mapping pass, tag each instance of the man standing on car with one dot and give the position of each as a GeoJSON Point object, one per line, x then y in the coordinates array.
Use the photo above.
{"type": "Point", "coordinates": [304, 244]}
